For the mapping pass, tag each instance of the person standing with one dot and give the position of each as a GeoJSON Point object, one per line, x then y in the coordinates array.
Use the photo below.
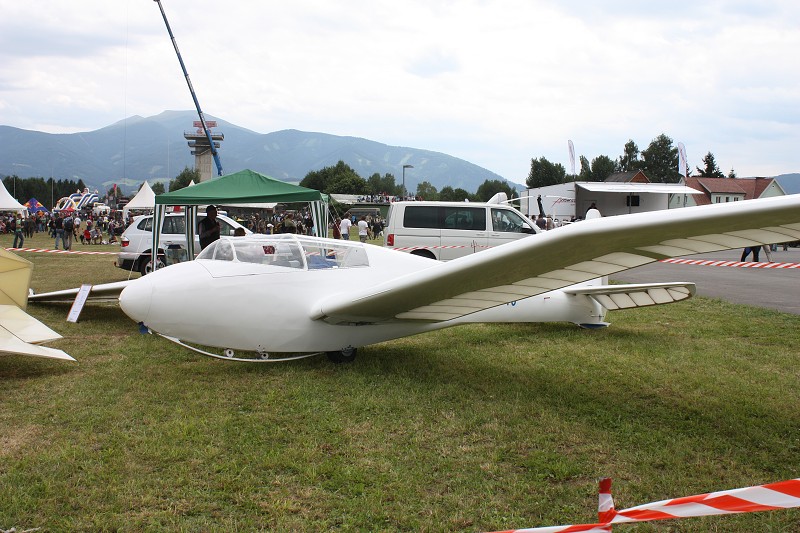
{"type": "Point", "coordinates": [208, 228]}
{"type": "Point", "coordinates": [19, 232]}
{"type": "Point", "coordinates": [363, 229]}
{"type": "Point", "coordinates": [288, 224]}
{"type": "Point", "coordinates": [58, 229]}
{"type": "Point", "coordinates": [747, 251]}
{"type": "Point", "coordinates": [69, 227]}
{"type": "Point", "coordinates": [344, 227]}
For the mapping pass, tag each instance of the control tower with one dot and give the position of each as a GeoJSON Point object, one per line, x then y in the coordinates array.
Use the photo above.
{"type": "Point", "coordinates": [201, 150]}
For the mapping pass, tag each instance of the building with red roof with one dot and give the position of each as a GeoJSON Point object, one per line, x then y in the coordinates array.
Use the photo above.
{"type": "Point", "coordinates": [721, 190]}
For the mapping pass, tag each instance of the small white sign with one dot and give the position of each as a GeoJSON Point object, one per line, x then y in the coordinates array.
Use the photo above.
{"type": "Point", "coordinates": [77, 305]}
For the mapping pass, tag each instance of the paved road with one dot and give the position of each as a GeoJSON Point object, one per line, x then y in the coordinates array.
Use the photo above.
{"type": "Point", "coordinates": [762, 287]}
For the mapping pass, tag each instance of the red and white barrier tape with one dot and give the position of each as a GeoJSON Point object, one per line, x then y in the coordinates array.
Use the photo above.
{"type": "Point", "coordinates": [51, 251]}
{"type": "Point", "coordinates": [452, 247]}
{"type": "Point", "coordinates": [769, 497]}
{"type": "Point", "coordinates": [738, 264]}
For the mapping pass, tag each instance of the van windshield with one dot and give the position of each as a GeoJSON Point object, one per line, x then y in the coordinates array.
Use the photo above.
{"type": "Point", "coordinates": [509, 221]}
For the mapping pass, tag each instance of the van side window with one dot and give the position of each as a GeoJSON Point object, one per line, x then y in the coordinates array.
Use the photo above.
{"type": "Point", "coordinates": [421, 217]}
{"type": "Point", "coordinates": [467, 218]}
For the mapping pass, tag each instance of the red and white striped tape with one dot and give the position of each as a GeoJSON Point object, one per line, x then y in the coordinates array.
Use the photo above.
{"type": "Point", "coordinates": [450, 247]}
{"type": "Point", "coordinates": [738, 264]}
{"type": "Point", "coordinates": [769, 497]}
{"type": "Point", "coordinates": [51, 251]}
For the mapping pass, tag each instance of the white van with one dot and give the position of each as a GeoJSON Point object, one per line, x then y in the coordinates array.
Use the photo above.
{"type": "Point", "coordinates": [447, 230]}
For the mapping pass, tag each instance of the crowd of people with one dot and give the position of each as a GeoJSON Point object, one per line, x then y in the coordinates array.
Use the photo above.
{"type": "Point", "coordinates": [286, 222]}
{"type": "Point", "coordinates": [368, 226]}
{"type": "Point", "coordinates": [65, 228]}
{"type": "Point", "coordinates": [85, 227]}
{"type": "Point", "coordinates": [301, 222]}
{"type": "Point", "coordinates": [386, 199]}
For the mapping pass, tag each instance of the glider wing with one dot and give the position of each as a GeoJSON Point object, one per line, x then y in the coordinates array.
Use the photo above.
{"type": "Point", "coordinates": [562, 257]}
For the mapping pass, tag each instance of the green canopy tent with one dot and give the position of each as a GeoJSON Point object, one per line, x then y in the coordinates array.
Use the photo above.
{"type": "Point", "coordinates": [245, 187]}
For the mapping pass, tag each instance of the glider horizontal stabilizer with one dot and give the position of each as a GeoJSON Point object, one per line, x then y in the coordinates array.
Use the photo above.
{"type": "Point", "coordinates": [614, 297]}
{"type": "Point", "coordinates": [104, 292]}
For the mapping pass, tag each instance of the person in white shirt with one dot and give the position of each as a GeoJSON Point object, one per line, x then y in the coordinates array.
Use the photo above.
{"type": "Point", "coordinates": [363, 229]}
{"type": "Point", "coordinates": [344, 227]}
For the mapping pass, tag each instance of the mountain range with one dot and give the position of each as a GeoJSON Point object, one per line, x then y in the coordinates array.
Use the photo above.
{"type": "Point", "coordinates": [154, 149]}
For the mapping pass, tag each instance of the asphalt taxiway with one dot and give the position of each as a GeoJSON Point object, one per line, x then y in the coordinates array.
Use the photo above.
{"type": "Point", "coordinates": [775, 288]}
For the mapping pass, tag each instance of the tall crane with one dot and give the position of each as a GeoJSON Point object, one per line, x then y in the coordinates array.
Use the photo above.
{"type": "Point", "coordinates": [191, 90]}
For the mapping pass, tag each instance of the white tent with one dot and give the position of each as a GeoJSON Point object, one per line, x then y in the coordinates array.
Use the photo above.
{"type": "Point", "coordinates": [144, 199]}
{"type": "Point", "coordinates": [7, 202]}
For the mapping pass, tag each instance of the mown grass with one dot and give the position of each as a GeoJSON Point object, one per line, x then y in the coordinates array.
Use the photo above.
{"type": "Point", "coordinates": [473, 428]}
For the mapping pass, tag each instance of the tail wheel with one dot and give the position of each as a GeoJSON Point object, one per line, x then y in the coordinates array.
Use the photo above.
{"type": "Point", "coordinates": [342, 356]}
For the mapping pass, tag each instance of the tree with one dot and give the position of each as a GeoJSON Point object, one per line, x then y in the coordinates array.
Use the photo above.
{"type": "Point", "coordinates": [586, 169]}
{"type": "Point", "coordinates": [377, 184]}
{"type": "Point", "coordinates": [448, 194]}
{"type": "Point", "coordinates": [544, 173]}
{"type": "Point", "coordinates": [602, 167]}
{"type": "Point", "coordinates": [183, 179]}
{"type": "Point", "coordinates": [660, 160]}
{"type": "Point", "coordinates": [24, 189]}
{"type": "Point", "coordinates": [711, 170]}
{"type": "Point", "coordinates": [338, 179]}
{"type": "Point", "coordinates": [427, 191]}
{"type": "Point", "coordinates": [489, 188]}
{"type": "Point", "coordinates": [732, 174]}
{"type": "Point", "coordinates": [629, 160]}
{"type": "Point", "coordinates": [158, 187]}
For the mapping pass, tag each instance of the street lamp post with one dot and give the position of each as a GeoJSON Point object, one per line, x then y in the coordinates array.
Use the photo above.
{"type": "Point", "coordinates": [404, 179]}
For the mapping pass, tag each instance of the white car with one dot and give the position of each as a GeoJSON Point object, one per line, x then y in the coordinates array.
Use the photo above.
{"type": "Point", "coordinates": [137, 241]}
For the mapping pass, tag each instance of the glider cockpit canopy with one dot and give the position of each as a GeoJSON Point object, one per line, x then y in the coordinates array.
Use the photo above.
{"type": "Point", "coordinates": [288, 250]}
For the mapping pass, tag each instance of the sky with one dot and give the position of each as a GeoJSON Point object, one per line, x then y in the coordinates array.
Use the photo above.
{"type": "Point", "coordinates": [494, 82]}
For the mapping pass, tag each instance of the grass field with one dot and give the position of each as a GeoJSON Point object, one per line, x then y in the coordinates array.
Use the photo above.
{"type": "Point", "coordinates": [472, 428]}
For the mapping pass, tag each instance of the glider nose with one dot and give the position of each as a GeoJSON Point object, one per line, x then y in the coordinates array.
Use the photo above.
{"type": "Point", "coordinates": [136, 298]}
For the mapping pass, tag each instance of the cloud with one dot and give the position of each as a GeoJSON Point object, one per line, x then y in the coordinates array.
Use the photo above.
{"type": "Point", "coordinates": [496, 82]}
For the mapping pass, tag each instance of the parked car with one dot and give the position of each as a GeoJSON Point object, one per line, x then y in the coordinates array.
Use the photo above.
{"type": "Point", "coordinates": [447, 230]}
{"type": "Point", "coordinates": [137, 241]}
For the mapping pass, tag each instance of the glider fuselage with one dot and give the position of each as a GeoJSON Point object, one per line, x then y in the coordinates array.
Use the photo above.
{"type": "Point", "coordinates": [270, 305]}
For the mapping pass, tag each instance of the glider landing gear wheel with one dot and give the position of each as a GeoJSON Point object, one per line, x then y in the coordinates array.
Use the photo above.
{"type": "Point", "coordinates": [342, 356]}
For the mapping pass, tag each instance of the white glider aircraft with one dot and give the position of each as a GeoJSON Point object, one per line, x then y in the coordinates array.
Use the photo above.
{"type": "Point", "coordinates": [282, 294]}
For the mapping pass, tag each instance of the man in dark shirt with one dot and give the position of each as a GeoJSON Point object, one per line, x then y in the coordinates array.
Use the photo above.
{"type": "Point", "coordinates": [58, 226]}
{"type": "Point", "coordinates": [208, 228]}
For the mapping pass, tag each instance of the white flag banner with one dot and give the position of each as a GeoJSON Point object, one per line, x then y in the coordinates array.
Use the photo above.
{"type": "Point", "coordinates": [683, 167]}
{"type": "Point", "coordinates": [571, 156]}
